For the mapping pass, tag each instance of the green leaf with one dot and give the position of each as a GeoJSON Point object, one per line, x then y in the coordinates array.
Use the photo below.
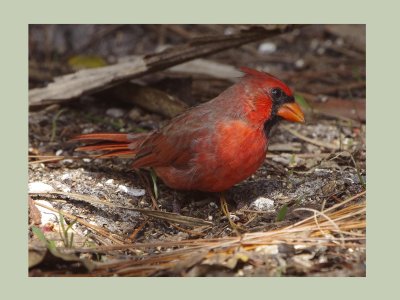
{"type": "Point", "coordinates": [302, 102]}
{"type": "Point", "coordinates": [86, 62]}
{"type": "Point", "coordinates": [154, 179]}
{"type": "Point", "coordinates": [40, 235]}
{"type": "Point", "coordinates": [282, 213]}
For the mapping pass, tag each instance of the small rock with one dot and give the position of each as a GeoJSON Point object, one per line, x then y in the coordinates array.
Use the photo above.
{"type": "Point", "coordinates": [229, 31]}
{"type": "Point", "coordinates": [289, 160]}
{"type": "Point", "coordinates": [300, 63]}
{"type": "Point", "coordinates": [213, 205]}
{"type": "Point", "coordinates": [115, 112]}
{"type": "Point", "coordinates": [267, 47]}
{"type": "Point", "coordinates": [59, 152]}
{"type": "Point", "coordinates": [339, 42]}
{"type": "Point", "coordinates": [39, 187]}
{"type": "Point", "coordinates": [65, 176]}
{"type": "Point", "coordinates": [135, 114]}
{"type": "Point", "coordinates": [321, 50]}
{"type": "Point", "coordinates": [303, 260]}
{"type": "Point", "coordinates": [300, 247]}
{"type": "Point", "coordinates": [314, 44]}
{"type": "Point", "coordinates": [262, 204]}
{"type": "Point", "coordinates": [322, 172]}
{"type": "Point", "coordinates": [131, 191]}
{"type": "Point", "coordinates": [66, 189]}
{"type": "Point", "coordinates": [322, 259]}
{"type": "Point", "coordinates": [353, 179]}
{"type": "Point", "coordinates": [268, 249]}
{"type": "Point", "coordinates": [87, 130]}
{"type": "Point", "coordinates": [123, 188]}
{"type": "Point", "coordinates": [48, 216]}
{"type": "Point", "coordinates": [110, 182]}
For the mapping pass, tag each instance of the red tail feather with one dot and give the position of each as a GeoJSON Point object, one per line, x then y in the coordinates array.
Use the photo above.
{"type": "Point", "coordinates": [112, 144]}
{"type": "Point", "coordinates": [103, 147]}
{"type": "Point", "coordinates": [114, 137]}
{"type": "Point", "coordinates": [121, 153]}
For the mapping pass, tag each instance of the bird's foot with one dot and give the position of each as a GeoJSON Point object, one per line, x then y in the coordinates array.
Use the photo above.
{"type": "Point", "coordinates": [225, 211]}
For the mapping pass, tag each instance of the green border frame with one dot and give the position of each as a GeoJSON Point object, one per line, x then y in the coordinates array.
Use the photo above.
{"type": "Point", "coordinates": [382, 112]}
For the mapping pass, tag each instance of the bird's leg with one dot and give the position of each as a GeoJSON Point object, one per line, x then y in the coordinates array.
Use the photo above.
{"type": "Point", "coordinates": [225, 211]}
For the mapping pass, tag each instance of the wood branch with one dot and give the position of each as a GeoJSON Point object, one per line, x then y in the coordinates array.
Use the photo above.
{"type": "Point", "coordinates": [209, 68]}
{"type": "Point", "coordinates": [148, 98]}
{"type": "Point", "coordinates": [84, 82]}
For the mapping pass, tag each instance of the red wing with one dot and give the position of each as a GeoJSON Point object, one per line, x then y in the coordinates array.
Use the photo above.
{"type": "Point", "coordinates": [174, 144]}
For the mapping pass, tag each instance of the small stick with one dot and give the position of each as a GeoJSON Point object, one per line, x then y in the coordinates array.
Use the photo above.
{"type": "Point", "coordinates": [310, 140]}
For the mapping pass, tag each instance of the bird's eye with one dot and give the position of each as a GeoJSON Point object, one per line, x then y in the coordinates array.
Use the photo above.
{"type": "Point", "coordinates": [276, 93]}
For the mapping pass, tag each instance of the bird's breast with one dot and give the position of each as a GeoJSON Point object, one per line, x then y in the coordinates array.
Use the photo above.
{"type": "Point", "coordinates": [237, 151]}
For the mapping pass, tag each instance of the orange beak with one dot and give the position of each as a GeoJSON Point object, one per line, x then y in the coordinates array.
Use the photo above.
{"type": "Point", "coordinates": [291, 112]}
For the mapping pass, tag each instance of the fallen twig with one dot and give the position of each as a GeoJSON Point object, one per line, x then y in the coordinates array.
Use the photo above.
{"type": "Point", "coordinates": [167, 216]}
{"type": "Point", "coordinates": [310, 140]}
{"type": "Point", "coordinates": [87, 81]}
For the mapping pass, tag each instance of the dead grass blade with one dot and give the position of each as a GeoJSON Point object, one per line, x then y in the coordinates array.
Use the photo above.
{"type": "Point", "coordinates": [99, 230]}
{"type": "Point", "coordinates": [167, 216]}
{"type": "Point", "coordinates": [347, 222]}
{"type": "Point", "coordinates": [310, 140]}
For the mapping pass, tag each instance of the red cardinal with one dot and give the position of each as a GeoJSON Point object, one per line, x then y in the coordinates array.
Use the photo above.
{"type": "Point", "coordinates": [215, 145]}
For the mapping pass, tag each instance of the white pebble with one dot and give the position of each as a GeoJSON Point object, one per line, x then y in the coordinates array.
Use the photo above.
{"type": "Point", "coordinates": [262, 203]}
{"type": "Point", "coordinates": [267, 47]}
{"type": "Point", "coordinates": [131, 191]}
{"type": "Point", "coordinates": [87, 130]}
{"type": "Point", "coordinates": [134, 114]}
{"type": "Point", "coordinates": [314, 44]}
{"type": "Point", "coordinates": [115, 112]}
{"type": "Point", "coordinates": [339, 42]}
{"type": "Point", "coordinates": [300, 63]}
{"type": "Point", "coordinates": [136, 192]}
{"type": "Point", "coordinates": [65, 176]}
{"type": "Point", "coordinates": [59, 152]}
{"type": "Point", "coordinates": [321, 50]}
{"type": "Point", "coordinates": [66, 189]}
{"type": "Point", "coordinates": [319, 171]}
{"type": "Point", "coordinates": [122, 188]}
{"type": "Point", "coordinates": [268, 249]}
{"type": "Point", "coordinates": [229, 31]}
{"type": "Point", "coordinates": [110, 182]}
{"type": "Point", "coordinates": [48, 216]}
{"type": "Point", "coordinates": [213, 205]}
{"type": "Point", "coordinates": [39, 187]}
{"type": "Point", "coordinates": [87, 160]}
